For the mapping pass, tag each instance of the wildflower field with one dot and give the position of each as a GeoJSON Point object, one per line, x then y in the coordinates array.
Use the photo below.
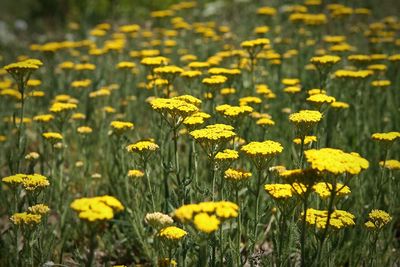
{"type": "Point", "coordinates": [204, 133]}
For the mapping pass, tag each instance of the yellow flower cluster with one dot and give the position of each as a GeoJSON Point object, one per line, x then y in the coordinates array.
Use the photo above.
{"type": "Point", "coordinates": [223, 71]}
{"type": "Point", "coordinates": [235, 175]}
{"type": "Point", "coordinates": [233, 111]}
{"type": "Point", "coordinates": [174, 106]}
{"type": "Point", "coordinates": [196, 119]}
{"type": "Point", "coordinates": [307, 140]}
{"type": "Point", "coordinates": [154, 61]}
{"type": "Point", "coordinates": [260, 42]}
{"type": "Point", "coordinates": [167, 70]}
{"type": "Point", "coordinates": [340, 105]}
{"type": "Point", "coordinates": [43, 118]}
{"type": "Point", "coordinates": [227, 155]}
{"type": "Point", "coordinates": [338, 219]}
{"type": "Point", "coordinates": [213, 133]}
{"type": "Point", "coordinates": [305, 118]}
{"type": "Point", "coordinates": [84, 130]}
{"type": "Point", "coordinates": [191, 73]}
{"type": "Point", "coordinates": [121, 126]}
{"type": "Point", "coordinates": [30, 182]}
{"type": "Point", "coordinates": [266, 148]}
{"type": "Point", "coordinates": [126, 65]}
{"type": "Point", "coordinates": [355, 74]}
{"type": "Point", "coordinates": [377, 219]}
{"type": "Point", "coordinates": [81, 83]}
{"type": "Point", "coordinates": [142, 146]}
{"type": "Point", "coordinates": [94, 209]}
{"type": "Point", "coordinates": [324, 189]}
{"type": "Point", "coordinates": [20, 68]}
{"type": "Point", "coordinates": [308, 18]}
{"type": "Point", "coordinates": [39, 209]}
{"type": "Point", "coordinates": [214, 80]}
{"type": "Point", "coordinates": [172, 233]}
{"type": "Point", "coordinates": [321, 99]}
{"type": "Point", "coordinates": [60, 107]}
{"type": "Point", "coordinates": [391, 164]}
{"type": "Point", "coordinates": [335, 161]}
{"type": "Point", "coordinates": [386, 137]}
{"type": "Point", "coordinates": [325, 60]}
{"type": "Point", "coordinates": [207, 216]}
{"type": "Point", "coordinates": [25, 218]}
{"type": "Point", "coordinates": [135, 173]}
{"type": "Point", "coordinates": [52, 136]}
{"type": "Point", "coordinates": [284, 191]}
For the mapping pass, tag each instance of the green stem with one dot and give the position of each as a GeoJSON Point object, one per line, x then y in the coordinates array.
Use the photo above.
{"type": "Point", "coordinates": [257, 195]}
{"type": "Point", "coordinates": [303, 231]}
{"type": "Point", "coordinates": [239, 231]}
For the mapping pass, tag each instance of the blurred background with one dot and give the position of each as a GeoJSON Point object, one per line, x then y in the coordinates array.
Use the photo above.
{"type": "Point", "coordinates": [32, 20]}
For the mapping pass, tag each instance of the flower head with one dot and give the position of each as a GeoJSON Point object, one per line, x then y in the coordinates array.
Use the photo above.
{"type": "Point", "coordinates": [335, 161]}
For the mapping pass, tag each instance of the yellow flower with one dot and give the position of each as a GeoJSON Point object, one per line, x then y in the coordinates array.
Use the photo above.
{"type": "Point", "coordinates": [52, 136]}
{"type": "Point", "coordinates": [191, 74]}
{"type": "Point", "coordinates": [386, 138]}
{"type": "Point", "coordinates": [126, 65]}
{"type": "Point", "coordinates": [381, 83]}
{"type": "Point", "coordinates": [142, 146]}
{"type": "Point", "coordinates": [391, 164]}
{"type": "Point", "coordinates": [284, 191]}
{"type": "Point", "coordinates": [378, 219]}
{"type": "Point", "coordinates": [30, 182]}
{"type": "Point", "coordinates": [227, 155]}
{"type": "Point", "coordinates": [215, 80]}
{"type": "Point", "coordinates": [84, 130]}
{"type": "Point", "coordinates": [338, 219]}
{"type": "Point", "coordinates": [135, 173]}
{"type": "Point", "coordinates": [324, 189]}
{"type": "Point", "coordinates": [235, 175]}
{"type": "Point", "coordinates": [175, 107]}
{"type": "Point", "coordinates": [335, 161]}
{"type": "Point", "coordinates": [25, 218]}
{"type": "Point", "coordinates": [20, 68]}
{"type": "Point", "coordinates": [198, 65]}
{"type": "Point", "coordinates": [358, 74]}
{"type": "Point", "coordinates": [39, 209]}
{"type": "Point", "coordinates": [256, 43]}
{"type": "Point", "coordinates": [222, 210]}
{"type": "Point", "coordinates": [266, 148]}
{"type": "Point", "coordinates": [279, 191]}
{"type": "Point", "coordinates": [172, 233]}
{"type": "Point", "coordinates": [246, 101]}
{"type": "Point", "coordinates": [305, 120]}
{"type": "Point", "coordinates": [81, 83]}
{"type": "Point", "coordinates": [84, 66]}
{"type": "Point", "coordinates": [265, 122]}
{"type": "Point", "coordinates": [266, 10]}
{"type": "Point", "coordinates": [339, 105]}
{"type": "Point", "coordinates": [206, 223]}
{"type": "Point", "coordinates": [60, 107]}
{"type": "Point", "coordinates": [325, 60]}
{"type": "Point", "coordinates": [212, 135]}
{"type": "Point", "coordinates": [233, 111]}
{"type": "Point", "coordinates": [292, 89]}
{"type": "Point", "coordinates": [154, 61]}
{"type": "Point", "coordinates": [307, 140]}
{"type": "Point", "coordinates": [321, 99]}
{"type": "Point", "coordinates": [121, 126]}
{"type": "Point", "coordinates": [33, 83]}
{"type": "Point", "coordinates": [43, 118]}
{"type": "Point", "coordinates": [97, 208]}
